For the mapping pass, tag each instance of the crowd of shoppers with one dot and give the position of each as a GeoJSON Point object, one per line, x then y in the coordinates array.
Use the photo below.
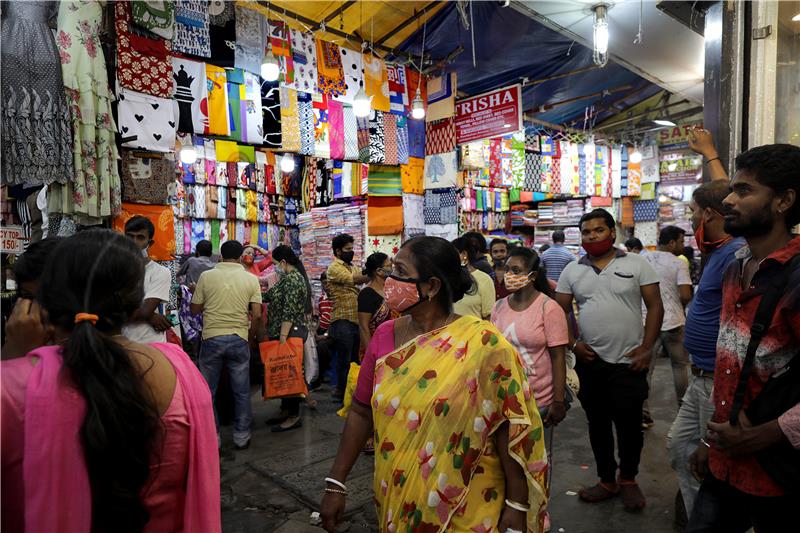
{"type": "Point", "coordinates": [108, 426]}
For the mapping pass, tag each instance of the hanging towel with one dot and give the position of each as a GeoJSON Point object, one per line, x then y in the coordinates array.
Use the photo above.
{"type": "Point", "coordinates": [376, 82]}
{"type": "Point", "coordinates": [441, 171]}
{"type": "Point", "coordinates": [336, 129]}
{"type": "Point", "coordinates": [304, 55]}
{"type": "Point", "coordinates": [350, 126]}
{"type": "Point", "coordinates": [411, 176]}
{"type": "Point", "coordinates": [390, 140]}
{"type": "Point", "coordinates": [218, 123]}
{"type": "Point", "coordinates": [384, 181]}
{"type": "Point", "coordinates": [440, 136]}
{"type": "Point", "coordinates": [330, 74]}
{"type": "Point", "coordinates": [352, 66]}
{"type": "Point", "coordinates": [384, 215]}
{"type": "Point", "coordinates": [441, 97]}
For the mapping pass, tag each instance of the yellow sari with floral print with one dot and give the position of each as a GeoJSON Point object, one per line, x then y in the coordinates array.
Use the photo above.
{"type": "Point", "coordinates": [437, 402]}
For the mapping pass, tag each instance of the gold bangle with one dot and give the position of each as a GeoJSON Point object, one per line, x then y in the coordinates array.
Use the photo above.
{"type": "Point", "coordinates": [336, 491]}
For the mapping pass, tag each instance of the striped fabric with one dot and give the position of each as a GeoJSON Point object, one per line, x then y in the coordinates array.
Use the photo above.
{"type": "Point", "coordinates": [384, 181]}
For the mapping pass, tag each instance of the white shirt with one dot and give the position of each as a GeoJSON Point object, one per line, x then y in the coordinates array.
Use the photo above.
{"type": "Point", "coordinates": [672, 272]}
{"type": "Point", "coordinates": [157, 284]}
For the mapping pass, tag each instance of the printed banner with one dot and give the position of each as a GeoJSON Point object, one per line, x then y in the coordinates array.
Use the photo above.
{"type": "Point", "coordinates": [490, 114]}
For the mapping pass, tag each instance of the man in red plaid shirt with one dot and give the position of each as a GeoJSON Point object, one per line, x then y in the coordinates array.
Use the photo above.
{"type": "Point", "coordinates": [737, 493]}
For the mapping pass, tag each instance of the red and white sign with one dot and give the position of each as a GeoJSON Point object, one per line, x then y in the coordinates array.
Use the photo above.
{"type": "Point", "coordinates": [11, 239]}
{"type": "Point", "coordinates": [490, 114]}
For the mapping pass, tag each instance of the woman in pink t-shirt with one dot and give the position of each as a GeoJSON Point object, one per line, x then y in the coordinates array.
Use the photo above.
{"type": "Point", "coordinates": [537, 327]}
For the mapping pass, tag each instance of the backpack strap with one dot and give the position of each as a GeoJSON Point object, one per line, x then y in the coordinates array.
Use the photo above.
{"type": "Point", "coordinates": [761, 322]}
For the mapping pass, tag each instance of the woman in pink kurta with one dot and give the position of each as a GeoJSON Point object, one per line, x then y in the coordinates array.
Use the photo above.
{"type": "Point", "coordinates": [98, 432]}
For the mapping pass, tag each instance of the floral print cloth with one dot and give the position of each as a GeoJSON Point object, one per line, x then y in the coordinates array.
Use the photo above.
{"type": "Point", "coordinates": [437, 404]}
{"type": "Point", "coordinates": [143, 64]}
{"type": "Point", "coordinates": [217, 101]}
{"type": "Point", "coordinates": [330, 74]}
{"type": "Point", "coordinates": [95, 192]}
{"type": "Point", "coordinates": [290, 120]}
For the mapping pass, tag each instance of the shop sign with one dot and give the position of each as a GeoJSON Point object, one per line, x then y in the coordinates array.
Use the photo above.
{"type": "Point", "coordinates": [489, 115]}
{"type": "Point", "coordinates": [680, 167]}
{"type": "Point", "coordinates": [676, 136]}
{"type": "Point", "coordinates": [12, 239]}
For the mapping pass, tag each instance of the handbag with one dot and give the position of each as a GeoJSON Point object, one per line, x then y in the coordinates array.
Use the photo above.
{"type": "Point", "coordinates": [780, 393]}
{"type": "Point", "coordinates": [283, 368]}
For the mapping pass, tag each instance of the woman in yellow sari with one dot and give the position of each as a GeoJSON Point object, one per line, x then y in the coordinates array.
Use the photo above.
{"type": "Point", "coordinates": [458, 436]}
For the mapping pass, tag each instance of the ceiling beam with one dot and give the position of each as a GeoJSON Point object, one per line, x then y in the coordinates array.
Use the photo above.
{"type": "Point", "coordinates": [417, 14]}
{"type": "Point", "coordinates": [314, 24]}
{"type": "Point", "coordinates": [527, 82]}
{"type": "Point", "coordinates": [605, 92]}
{"type": "Point", "coordinates": [336, 12]}
{"type": "Point", "coordinates": [642, 114]}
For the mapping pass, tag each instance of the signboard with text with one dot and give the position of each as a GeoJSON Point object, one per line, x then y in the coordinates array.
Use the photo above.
{"type": "Point", "coordinates": [676, 136]}
{"type": "Point", "coordinates": [487, 115]}
{"type": "Point", "coordinates": [11, 239]}
{"type": "Point", "coordinates": [680, 167]}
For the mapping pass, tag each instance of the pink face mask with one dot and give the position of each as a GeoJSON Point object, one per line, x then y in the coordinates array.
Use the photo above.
{"type": "Point", "coordinates": [401, 294]}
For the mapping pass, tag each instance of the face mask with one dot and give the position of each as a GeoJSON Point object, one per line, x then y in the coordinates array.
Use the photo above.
{"type": "Point", "coordinates": [247, 259]}
{"type": "Point", "coordinates": [279, 270]}
{"type": "Point", "coordinates": [598, 248]}
{"type": "Point", "coordinates": [402, 294]}
{"type": "Point", "coordinates": [706, 247]}
{"type": "Point", "coordinates": [515, 282]}
{"type": "Point", "coordinates": [145, 253]}
{"type": "Point", "coordinates": [347, 257]}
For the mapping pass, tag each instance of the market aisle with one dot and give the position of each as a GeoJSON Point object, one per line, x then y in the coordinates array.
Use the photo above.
{"type": "Point", "coordinates": [275, 485]}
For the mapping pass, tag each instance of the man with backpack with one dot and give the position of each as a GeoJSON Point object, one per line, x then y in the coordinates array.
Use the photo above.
{"type": "Point", "coordinates": [750, 456]}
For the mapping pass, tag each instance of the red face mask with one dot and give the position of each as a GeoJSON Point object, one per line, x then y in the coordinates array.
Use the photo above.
{"type": "Point", "coordinates": [402, 294]}
{"type": "Point", "coordinates": [247, 259]}
{"type": "Point", "coordinates": [598, 248]}
{"type": "Point", "coordinates": [706, 247]}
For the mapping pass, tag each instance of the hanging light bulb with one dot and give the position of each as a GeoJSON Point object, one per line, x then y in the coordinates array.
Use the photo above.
{"type": "Point", "coordinates": [600, 34]}
{"type": "Point", "coordinates": [636, 156]}
{"type": "Point", "coordinates": [361, 104]}
{"type": "Point", "coordinates": [270, 67]}
{"type": "Point", "coordinates": [188, 154]}
{"type": "Point", "coordinates": [287, 163]}
{"type": "Point", "coordinates": [417, 106]}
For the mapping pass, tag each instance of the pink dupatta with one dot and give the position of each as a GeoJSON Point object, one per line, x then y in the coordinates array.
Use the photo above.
{"type": "Point", "coordinates": [57, 491]}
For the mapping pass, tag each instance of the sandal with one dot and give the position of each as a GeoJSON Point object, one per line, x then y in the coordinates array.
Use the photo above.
{"type": "Point", "coordinates": [281, 429]}
{"type": "Point", "coordinates": [632, 496]}
{"type": "Point", "coordinates": [598, 493]}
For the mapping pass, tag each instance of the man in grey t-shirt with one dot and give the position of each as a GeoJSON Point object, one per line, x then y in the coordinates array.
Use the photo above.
{"type": "Point", "coordinates": [613, 351]}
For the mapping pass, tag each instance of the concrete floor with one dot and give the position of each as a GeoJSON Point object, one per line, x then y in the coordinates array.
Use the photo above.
{"type": "Point", "coordinates": [275, 484]}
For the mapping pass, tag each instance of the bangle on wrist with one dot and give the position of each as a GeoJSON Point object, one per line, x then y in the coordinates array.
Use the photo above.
{"type": "Point", "coordinates": [337, 483]}
{"type": "Point", "coordinates": [574, 344]}
{"type": "Point", "coordinates": [704, 443]}
{"type": "Point", "coordinates": [518, 506]}
{"type": "Point", "coordinates": [336, 491]}
{"type": "Point", "coordinates": [713, 159]}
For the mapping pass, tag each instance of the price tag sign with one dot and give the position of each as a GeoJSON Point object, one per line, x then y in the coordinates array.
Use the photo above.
{"type": "Point", "coordinates": [11, 239]}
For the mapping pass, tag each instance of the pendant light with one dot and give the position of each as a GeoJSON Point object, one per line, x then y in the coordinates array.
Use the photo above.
{"type": "Point", "coordinates": [636, 155]}
{"type": "Point", "coordinates": [600, 35]}
{"type": "Point", "coordinates": [287, 163]}
{"type": "Point", "coordinates": [362, 102]}
{"type": "Point", "coordinates": [270, 67]}
{"type": "Point", "coordinates": [417, 105]}
{"type": "Point", "coordinates": [187, 152]}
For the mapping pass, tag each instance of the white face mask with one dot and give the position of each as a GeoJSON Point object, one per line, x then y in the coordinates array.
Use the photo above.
{"type": "Point", "coordinates": [145, 253]}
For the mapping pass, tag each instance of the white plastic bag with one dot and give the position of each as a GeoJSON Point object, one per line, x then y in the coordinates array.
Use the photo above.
{"type": "Point", "coordinates": [310, 358]}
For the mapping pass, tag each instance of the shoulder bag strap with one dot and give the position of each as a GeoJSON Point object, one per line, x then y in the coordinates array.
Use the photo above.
{"type": "Point", "coordinates": [761, 322]}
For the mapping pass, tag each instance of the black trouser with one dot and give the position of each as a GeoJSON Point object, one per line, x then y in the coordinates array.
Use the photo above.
{"type": "Point", "coordinates": [613, 394]}
{"type": "Point", "coordinates": [721, 508]}
{"type": "Point", "coordinates": [345, 337]}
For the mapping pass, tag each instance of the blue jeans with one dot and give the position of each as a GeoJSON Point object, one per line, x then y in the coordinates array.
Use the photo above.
{"type": "Point", "coordinates": [232, 352]}
{"type": "Point", "coordinates": [345, 338]}
{"type": "Point", "coordinates": [684, 435]}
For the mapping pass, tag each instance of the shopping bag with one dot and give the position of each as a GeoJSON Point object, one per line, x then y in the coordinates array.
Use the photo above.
{"type": "Point", "coordinates": [283, 368]}
{"type": "Point", "coordinates": [310, 359]}
{"type": "Point", "coordinates": [352, 380]}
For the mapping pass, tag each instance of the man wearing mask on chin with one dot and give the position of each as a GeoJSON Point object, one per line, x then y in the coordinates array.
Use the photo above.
{"type": "Point", "coordinates": [613, 351]}
{"type": "Point", "coordinates": [343, 280]}
{"type": "Point", "coordinates": [700, 333]}
{"type": "Point", "coordinates": [147, 325]}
